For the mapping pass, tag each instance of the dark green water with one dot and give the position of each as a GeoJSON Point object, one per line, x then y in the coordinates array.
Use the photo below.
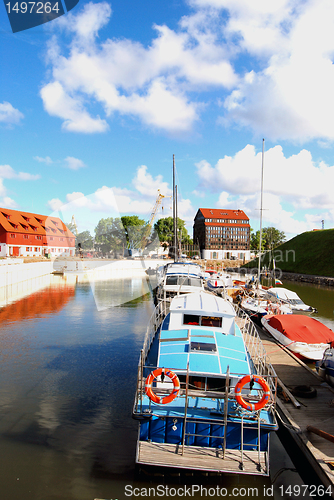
{"type": "Point", "coordinates": [67, 381]}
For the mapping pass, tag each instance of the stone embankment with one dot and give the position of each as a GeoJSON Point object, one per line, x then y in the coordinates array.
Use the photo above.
{"type": "Point", "coordinates": [308, 278]}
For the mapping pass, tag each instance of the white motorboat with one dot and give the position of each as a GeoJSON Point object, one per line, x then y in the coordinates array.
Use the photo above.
{"type": "Point", "coordinates": [179, 278]}
{"type": "Point", "coordinates": [296, 303]}
{"type": "Point", "coordinates": [304, 336]}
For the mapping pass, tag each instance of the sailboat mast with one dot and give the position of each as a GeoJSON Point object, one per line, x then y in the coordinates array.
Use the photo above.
{"type": "Point", "coordinates": [261, 209]}
{"type": "Point", "coordinates": [177, 253]}
{"type": "Point", "coordinates": [174, 213]}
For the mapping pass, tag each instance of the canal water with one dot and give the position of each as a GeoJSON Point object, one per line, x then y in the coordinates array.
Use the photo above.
{"type": "Point", "coordinates": [68, 367]}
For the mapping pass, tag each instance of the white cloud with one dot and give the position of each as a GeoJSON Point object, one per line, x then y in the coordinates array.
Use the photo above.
{"type": "Point", "coordinates": [7, 172]}
{"type": "Point", "coordinates": [8, 202]}
{"type": "Point", "coordinates": [10, 115]}
{"type": "Point", "coordinates": [58, 102]}
{"type": "Point", "coordinates": [47, 160]}
{"type": "Point", "coordinates": [290, 97]}
{"type": "Point", "coordinates": [122, 76]}
{"type": "Point", "coordinates": [274, 78]}
{"type": "Point", "coordinates": [146, 185]}
{"type": "Point", "coordinates": [291, 185]}
{"type": "Point", "coordinates": [73, 163]}
{"type": "Point", "coordinates": [113, 201]}
{"type": "Point", "coordinates": [55, 204]}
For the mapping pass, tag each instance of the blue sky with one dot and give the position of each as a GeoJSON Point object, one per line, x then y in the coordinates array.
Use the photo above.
{"type": "Point", "coordinates": [94, 104]}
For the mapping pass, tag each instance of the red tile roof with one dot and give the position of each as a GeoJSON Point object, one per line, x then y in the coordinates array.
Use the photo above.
{"type": "Point", "coordinates": [220, 213]}
{"type": "Point", "coordinates": [14, 221]}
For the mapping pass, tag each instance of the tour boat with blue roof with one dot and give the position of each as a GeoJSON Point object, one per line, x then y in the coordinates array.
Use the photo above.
{"type": "Point", "coordinates": [205, 397]}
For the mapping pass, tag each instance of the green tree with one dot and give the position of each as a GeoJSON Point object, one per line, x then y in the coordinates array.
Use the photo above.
{"type": "Point", "coordinates": [110, 235]}
{"type": "Point", "coordinates": [165, 229]}
{"type": "Point", "coordinates": [255, 241]}
{"type": "Point", "coordinates": [135, 230]}
{"type": "Point", "coordinates": [86, 240]}
{"type": "Point", "coordinates": [271, 238]}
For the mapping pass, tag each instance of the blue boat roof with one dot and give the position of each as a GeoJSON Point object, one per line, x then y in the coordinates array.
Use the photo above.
{"type": "Point", "coordinates": [208, 351]}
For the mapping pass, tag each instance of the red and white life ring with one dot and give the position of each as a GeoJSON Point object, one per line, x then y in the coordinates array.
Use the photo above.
{"type": "Point", "coordinates": [170, 397]}
{"type": "Point", "coordinates": [245, 404]}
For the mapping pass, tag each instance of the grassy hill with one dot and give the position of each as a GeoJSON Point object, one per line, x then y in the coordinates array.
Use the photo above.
{"type": "Point", "coordinates": [307, 253]}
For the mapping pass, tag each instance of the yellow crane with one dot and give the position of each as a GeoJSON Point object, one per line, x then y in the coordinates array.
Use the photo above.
{"type": "Point", "coordinates": [73, 221]}
{"type": "Point", "coordinates": [148, 228]}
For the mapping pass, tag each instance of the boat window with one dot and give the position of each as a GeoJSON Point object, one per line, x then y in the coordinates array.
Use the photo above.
{"type": "Point", "coordinates": [190, 319]}
{"type": "Point", "coordinates": [211, 321]}
{"type": "Point", "coordinates": [183, 281]}
{"type": "Point", "coordinates": [197, 382]}
{"type": "Point", "coordinates": [203, 383]}
{"type": "Point", "coordinates": [202, 346]}
{"type": "Point", "coordinates": [171, 280]}
{"type": "Point", "coordinates": [215, 384]}
{"type": "Point", "coordinates": [194, 282]}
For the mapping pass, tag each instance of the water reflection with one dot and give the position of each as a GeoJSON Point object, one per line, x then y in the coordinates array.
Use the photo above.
{"type": "Point", "coordinates": [47, 301]}
{"type": "Point", "coordinates": [319, 296]}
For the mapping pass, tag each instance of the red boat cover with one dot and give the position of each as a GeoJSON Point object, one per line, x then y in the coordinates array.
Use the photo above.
{"type": "Point", "coordinates": [301, 328]}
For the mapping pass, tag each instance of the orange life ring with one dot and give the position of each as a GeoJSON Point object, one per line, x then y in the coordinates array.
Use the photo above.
{"type": "Point", "coordinates": [252, 406]}
{"type": "Point", "coordinates": [148, 386]}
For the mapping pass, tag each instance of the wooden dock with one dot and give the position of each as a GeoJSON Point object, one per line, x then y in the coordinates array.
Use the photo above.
{"type": "Point", "coordinates": [201, 458]}
{"type": "Point", "coordinates": [317, 411]}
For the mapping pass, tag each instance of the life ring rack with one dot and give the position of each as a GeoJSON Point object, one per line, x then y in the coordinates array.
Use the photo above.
{"type": "Point", "coordinates": [245, 404]}
{"type": "Point", "coordinates": [154, 397]}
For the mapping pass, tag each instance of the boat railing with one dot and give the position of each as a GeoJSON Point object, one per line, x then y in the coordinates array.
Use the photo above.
{"type": "Point", "coordinates": [155, 321]}
{"type": "Point", "coordinates": [214, 420]}
{"type": "Point", "coordinates": [187, 390]}
{"type": "Point", "coordinates": [256, 350]}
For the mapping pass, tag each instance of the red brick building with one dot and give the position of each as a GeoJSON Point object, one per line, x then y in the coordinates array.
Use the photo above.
{"type": "Point", "coordinates": [222, 234]}
{"type": "Point", "coordinates": [24, 234]}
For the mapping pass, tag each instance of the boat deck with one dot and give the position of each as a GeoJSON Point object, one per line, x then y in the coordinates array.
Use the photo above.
{"type": "Point", "coordinates": [317, 411]}
{"type": "Point", "coordinates": [200, 458]}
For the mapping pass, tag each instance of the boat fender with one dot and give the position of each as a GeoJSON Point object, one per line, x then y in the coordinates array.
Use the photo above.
{"type": "Point", "coordinates": [252, 379]}
{"type": "Point", "coordinates": [154, 397]}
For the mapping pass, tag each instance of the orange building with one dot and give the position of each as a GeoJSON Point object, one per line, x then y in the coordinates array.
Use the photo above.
{"type": "Point", "coordinates": [26, 235]}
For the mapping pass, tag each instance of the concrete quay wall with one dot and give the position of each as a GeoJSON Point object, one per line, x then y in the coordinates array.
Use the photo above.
{"type": "Point", "coordinates": [19, 280]}
{"type": "Point", "coordinates": [308, 278]}
{"type": "Point", "coordinates": [106, 269]}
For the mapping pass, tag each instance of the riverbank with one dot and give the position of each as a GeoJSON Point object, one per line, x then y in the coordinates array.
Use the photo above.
{"type": "Point", "coordinates": [309, 278]}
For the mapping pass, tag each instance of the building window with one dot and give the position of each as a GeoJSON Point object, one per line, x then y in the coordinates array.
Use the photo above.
{"type": "Point", "coordinates": [25, 236]}
{"type": "Point", "coordinates": [12, 235]}
{"type": "Point", "coordinates": [38, 237]}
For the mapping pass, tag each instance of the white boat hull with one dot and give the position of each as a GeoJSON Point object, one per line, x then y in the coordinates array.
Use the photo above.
{"type": "Point", "coordinates": [312, 352]}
